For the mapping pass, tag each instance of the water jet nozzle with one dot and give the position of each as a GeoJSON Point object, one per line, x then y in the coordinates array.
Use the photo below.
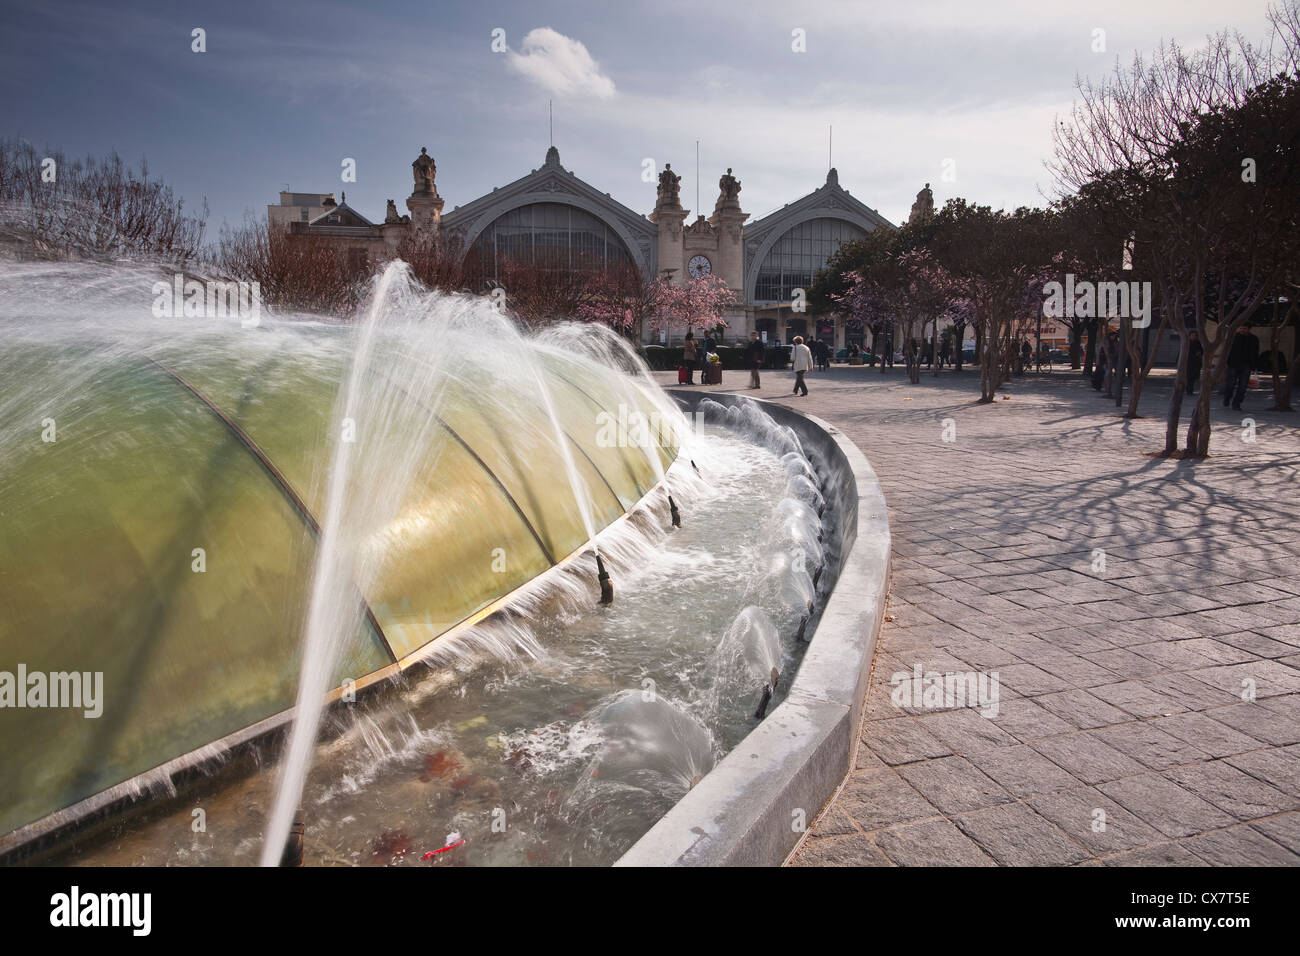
{"type": "Point", "coordinates": [776, 676]}
{"type": "Point", "coordinates": [606, 586]}
{"type": "Point", "coordinates": [292, 854]}
{"type": "Point", "coordinates": [762, 704]}
{"type": "Point", "coordinates": [803, 624]}
{"type": "Point", "coordinates": [697, 468]}
{"type": "Point", "coordinates": [677, 515]}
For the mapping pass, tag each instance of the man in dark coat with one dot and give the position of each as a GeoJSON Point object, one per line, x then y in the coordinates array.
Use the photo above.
{"type": "Point", "coordinates": [1241, 361]}
{"type": "Point", "coordinates": [754, 356]}
{"type": "Point", "coordinates": [1195, 355]}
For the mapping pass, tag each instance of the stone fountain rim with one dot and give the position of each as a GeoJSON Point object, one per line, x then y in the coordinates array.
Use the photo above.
{"type": "Point", "coordinates": [747, 810]}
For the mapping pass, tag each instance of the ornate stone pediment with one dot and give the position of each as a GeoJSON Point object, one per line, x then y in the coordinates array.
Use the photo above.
{"type": "Point", "coordinates": [700, 227]}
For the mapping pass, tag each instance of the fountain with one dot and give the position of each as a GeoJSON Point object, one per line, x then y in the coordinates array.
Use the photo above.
{"type": "Point", "coordinates": [385, 551]}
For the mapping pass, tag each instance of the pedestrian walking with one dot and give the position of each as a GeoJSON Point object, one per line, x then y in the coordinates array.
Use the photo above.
{"type": "Point", "coordinates": [1242, 357]}
{"type": "Point", "coordinates": [803, 363]}
{"type": "Point", "coordinates": [1195, 356]}
{"type": "Point", "coordinates": [754, 356]}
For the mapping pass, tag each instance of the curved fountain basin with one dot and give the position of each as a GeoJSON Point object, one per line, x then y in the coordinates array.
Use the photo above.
{"type": "Point", "coordinates": [755, 806]}
{"type": "Point", "coordinates": [171, 442]}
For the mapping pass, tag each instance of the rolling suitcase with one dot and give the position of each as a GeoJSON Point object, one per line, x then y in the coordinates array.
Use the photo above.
{"type": "Point", "coordinates": [681, 375]}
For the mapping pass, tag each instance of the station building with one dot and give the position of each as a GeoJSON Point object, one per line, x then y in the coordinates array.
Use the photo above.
{"type": "Point", "coordinates": [766, 262]}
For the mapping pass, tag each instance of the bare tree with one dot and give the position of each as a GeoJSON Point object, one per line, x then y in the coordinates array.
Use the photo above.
{"type": "Point", "coordinates": [93, 208]}
{"type": "Point", "coordinates": [306, 272]}
{"type": "Point", "coordinates": [1197, 152]}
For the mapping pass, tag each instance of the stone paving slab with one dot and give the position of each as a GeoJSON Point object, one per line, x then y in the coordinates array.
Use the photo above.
{"type": "Point", "coordinates": [1142, 617]}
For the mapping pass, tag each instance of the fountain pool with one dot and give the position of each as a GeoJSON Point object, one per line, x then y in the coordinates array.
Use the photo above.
{"type": "Point", "coordinates": [526, 723]}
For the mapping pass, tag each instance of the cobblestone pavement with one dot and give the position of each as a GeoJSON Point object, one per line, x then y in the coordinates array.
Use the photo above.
{"type": "Point", "coordinates": [1142, 617]}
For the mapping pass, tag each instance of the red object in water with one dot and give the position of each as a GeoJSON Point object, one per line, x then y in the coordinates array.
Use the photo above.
{"type": "Point", "coordinates": [389, 844]}
{"type": "Point", "coordinates": [439, 765]}
{"type": "Point", "coordinates": [450, 846]}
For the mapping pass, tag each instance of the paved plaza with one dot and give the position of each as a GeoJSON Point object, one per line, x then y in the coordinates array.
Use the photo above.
{"type": "Point", "coordinates": [1142, 617]}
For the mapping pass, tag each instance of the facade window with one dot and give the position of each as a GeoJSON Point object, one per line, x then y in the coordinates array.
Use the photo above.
{"type": "Point", "coordinates": [304, 215]}
{"type": "Point", "coordinates": [795, 258]}
{"type": "Point", "coordinates": [552, 235]}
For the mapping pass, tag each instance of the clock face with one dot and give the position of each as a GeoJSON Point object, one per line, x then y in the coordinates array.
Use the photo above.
{"type": "Point", "coordinates": [699, 266]}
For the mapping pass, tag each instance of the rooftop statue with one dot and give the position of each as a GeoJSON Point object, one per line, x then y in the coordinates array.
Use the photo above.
{"type": "Point", "coordinates": [669, 185]}
{"type": "Point", "coordinates": [729, 186]}
{"type": "Point", "coordinates": [424, 169]}
{"type": "Point", "coordinates": [923, 208]}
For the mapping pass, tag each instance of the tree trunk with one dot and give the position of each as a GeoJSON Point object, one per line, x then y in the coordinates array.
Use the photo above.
{"type": "Point", "coordinates": [1122, 362]}
{"type": "Point", "coordinates": [1281, 383]}
{"type": "Point", "coordinates": [1141, 368]}
{"type": "Point", "coordinates": [1176, 399]}
{"type": "Point", "coordinates": [990, 366]}
{"type": "Point", "coordinates": [1285, 404]}
{"type": "Point", "coordinates": [1198, 429]}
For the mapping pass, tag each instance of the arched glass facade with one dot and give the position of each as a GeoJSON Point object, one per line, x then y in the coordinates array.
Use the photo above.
{"type": "Point", "coordinates": [552, 235]}
{"type": "Point", "coordinates": [797, 255]}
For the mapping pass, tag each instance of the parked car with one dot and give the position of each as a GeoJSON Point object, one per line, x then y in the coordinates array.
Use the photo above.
{"type": "Point", "coordinates": [1059, 356]}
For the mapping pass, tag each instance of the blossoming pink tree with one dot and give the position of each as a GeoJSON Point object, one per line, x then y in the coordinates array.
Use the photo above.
{"type": "Point", "coordinates": [626, 300]}
{"type": "Point", "coordinates": [701, 302]}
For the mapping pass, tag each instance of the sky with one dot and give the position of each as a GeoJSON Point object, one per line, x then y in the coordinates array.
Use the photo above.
{"type": "Point", "coordinates": [957, 93]}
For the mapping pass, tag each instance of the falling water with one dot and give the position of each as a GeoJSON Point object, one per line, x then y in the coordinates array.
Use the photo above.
{"type": "Point", "coordinates": [581, 493]}
{"type": "Point", "coordinates": [531, 701]}
{"type": "Point", "coordinates": [327, 623]}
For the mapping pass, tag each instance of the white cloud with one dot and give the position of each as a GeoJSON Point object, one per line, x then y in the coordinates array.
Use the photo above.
{"type": "Point", "coordinates": [560, 65]}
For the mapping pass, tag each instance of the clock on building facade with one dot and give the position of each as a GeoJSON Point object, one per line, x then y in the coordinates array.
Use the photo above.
{"type": "Point", "coordinates": [699, 266]}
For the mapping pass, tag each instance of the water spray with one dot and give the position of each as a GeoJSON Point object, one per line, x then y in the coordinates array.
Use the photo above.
{"type": "Point", "coordinates": [677, 515]}
{"type": "Point", "coordinates": [606, 586]}
{"type": "Point", "coordinates": [292, 855]}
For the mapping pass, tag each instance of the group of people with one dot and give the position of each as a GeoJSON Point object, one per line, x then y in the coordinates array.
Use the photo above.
{"type": "Point", "coordinates": [801, 358]}
{"type": "Point", "coordinates": [1243, 355]}
{"type": "Point", "coordinates": [755, 352]}
{"type": "Point", "coordinates": [696, 354]}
